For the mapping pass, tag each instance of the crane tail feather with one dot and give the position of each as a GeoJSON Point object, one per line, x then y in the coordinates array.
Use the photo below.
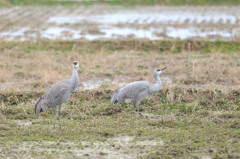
{"type": "Point", "coordinates": [114, 97]}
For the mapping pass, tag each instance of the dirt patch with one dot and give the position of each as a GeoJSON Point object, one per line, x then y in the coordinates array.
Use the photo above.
{"type": "Point", "coordinates": [149, 116]}
{"type": "Point", "coordinates": [23, 123]}
{"type": "Point", "coordinates": [15, 98]}
{"type": "Point", "coordinates": [112, 110]}
{"type": "Point", "coordinates": [117, 147]}
{"type": "Point", "coordinates": [206, 157]}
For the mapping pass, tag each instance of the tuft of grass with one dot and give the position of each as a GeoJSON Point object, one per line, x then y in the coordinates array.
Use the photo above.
{"type": "Point", "coordinates": [218, 90]}
{"type": "Point", "coordinates": [203, 102]}
{"type": "Point", "coordinates": [35, 84]}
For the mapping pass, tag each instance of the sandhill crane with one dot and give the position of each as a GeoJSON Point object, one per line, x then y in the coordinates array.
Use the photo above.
{"type": "Point", "coordinates": [58, 94]}
{"type": "Point", "coordinates": [137, 91]}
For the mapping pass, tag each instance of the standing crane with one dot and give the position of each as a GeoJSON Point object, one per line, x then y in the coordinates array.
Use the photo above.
{"type": "Point", "coordinates": [58, 94]}
{"type": "Point", "coordinates": [137, 91]}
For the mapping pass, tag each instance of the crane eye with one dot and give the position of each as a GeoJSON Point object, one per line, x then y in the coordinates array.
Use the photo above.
{"type": "Point", "coordinates": [158, 69]}
{"type": "Point", "coordinates": [75, 63]}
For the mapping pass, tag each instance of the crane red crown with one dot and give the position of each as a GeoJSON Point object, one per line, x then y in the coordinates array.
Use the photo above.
{"type": "Point", "coordinates": [75, 63]}
{"type": "Point", "coordinates": [158, 69]}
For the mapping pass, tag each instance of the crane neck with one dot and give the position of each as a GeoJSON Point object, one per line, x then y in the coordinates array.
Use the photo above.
{"type": "Point", "coordinates": [74, 82]}
{"type": "Point", "coordinates": [158, 84]}
{"type": "Point", "coordinates": [158, 80]}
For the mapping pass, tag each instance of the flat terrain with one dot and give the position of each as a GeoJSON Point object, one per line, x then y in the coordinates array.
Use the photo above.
{"type": "Point", "coordinates": [101, 22]}
{"type": "Point", "coordinates": [195, 115]}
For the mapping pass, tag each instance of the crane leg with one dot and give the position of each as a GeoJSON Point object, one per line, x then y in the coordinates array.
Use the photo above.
{"type": "Point", "coordinates": [135, 106]}
{"type": "Point", "coordinates": [138, 103]}
{"type": "Point", "coordinates": [55, 109]}
{"type": "Point", "coordinates": [59, 113]}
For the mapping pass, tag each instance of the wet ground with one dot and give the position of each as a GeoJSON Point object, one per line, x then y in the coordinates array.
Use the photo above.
{"type": "Point", "coordinates": [112, 22]}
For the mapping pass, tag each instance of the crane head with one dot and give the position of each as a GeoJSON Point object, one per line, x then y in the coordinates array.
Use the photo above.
{"type": "Point", "coordinates": [159, 71]}
{"type": "Point", "coordinates": [75, 64]}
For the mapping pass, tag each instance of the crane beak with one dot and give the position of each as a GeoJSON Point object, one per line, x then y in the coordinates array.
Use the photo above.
{"type": "Point", "coordinates": [163, 68]}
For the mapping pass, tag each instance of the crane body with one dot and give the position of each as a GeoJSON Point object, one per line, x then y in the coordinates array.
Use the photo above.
{"type": "Point", "coordinates": [137, 91]}
{"type": "Point", "coordinates": [58, 94]}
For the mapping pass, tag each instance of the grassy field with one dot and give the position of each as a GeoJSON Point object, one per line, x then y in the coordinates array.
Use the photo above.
{"type": "Point", "coordinates": [120, 2]}
{"type": "Point", "coordinates": [195, 115]}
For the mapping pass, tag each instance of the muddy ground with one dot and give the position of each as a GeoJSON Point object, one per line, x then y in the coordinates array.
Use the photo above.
{"type": "Point", "coordinates": [117, 22]}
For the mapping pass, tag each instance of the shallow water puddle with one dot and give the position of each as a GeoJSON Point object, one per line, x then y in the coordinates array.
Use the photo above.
{"type": "Point", "coordinates": [93, 84]}
{"type": "Point", "coordinates": [107, 25]}
{"type": "Point", "coordinates": [148, 17]}
{"type": "Point", "coordinates": [97, 22]}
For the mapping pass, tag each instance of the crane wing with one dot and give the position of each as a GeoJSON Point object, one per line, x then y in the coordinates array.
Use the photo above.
{"type": "Point", "coordinates": [58, 94]}
{"type": "Point", "coordinates": [132, 91]}
{"type": "Point", "coordinates": [55, 96]}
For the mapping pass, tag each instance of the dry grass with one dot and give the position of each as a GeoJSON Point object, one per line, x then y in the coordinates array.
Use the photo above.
{"type": "Point", "coordinates": [38, 69]}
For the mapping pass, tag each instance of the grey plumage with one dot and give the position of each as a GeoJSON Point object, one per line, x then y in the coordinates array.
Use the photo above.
{"type": "Point", "coordinates": [137, 91]}
{"type": "Point", "coordinates": [58, 94]}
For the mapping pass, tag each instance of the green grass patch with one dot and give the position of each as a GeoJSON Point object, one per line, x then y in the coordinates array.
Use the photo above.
{"type": "Point", "coordinates": [184, 129]}
{"type": "Point", "coordinates": [113, 45]}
